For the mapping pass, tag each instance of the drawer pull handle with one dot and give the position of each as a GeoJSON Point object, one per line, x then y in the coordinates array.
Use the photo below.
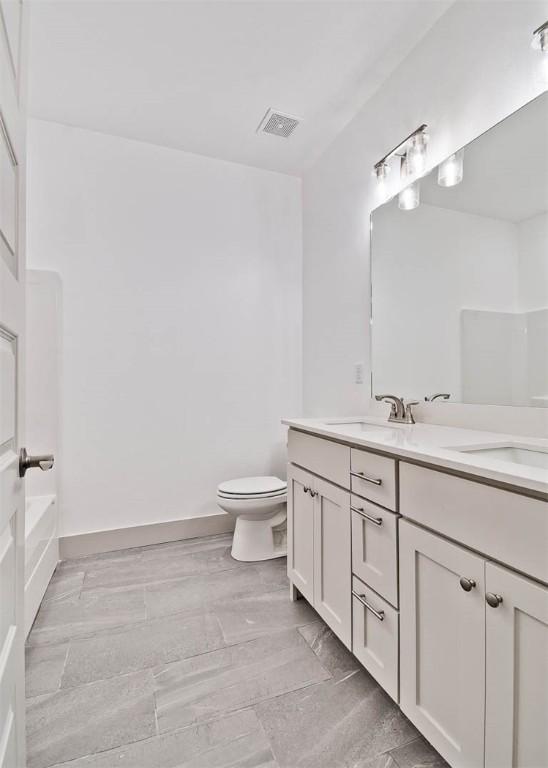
{"type": "Point", "coordinates": [305, 489]}
{"type": "Point", "coordinates": [363, 513]}
{"type": "Point", "coordinates": [378, 614]}
{"type": "Point", "coordinates": [362, 476]}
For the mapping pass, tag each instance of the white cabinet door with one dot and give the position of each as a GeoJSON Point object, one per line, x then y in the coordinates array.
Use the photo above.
{"type": "Point", "coordinates": [516, 724]}
{"type": "Point", "coordinates": [12, 280]}
{"type": "Point", "coordinates": [442, 644]}
{"type": "Point", "coordinates": [300, 531]}
{"type": "Point", "coordinates": [332, 559]}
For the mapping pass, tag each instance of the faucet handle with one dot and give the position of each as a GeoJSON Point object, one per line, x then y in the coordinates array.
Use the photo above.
{"type": "Point", "coordinates": [408, 414]}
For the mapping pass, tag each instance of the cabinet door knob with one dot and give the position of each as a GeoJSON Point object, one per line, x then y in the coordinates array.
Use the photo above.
{"type": "Point", "coordinates": [493, 600]}
{"type": "Point", "coordinates": [467, 584]}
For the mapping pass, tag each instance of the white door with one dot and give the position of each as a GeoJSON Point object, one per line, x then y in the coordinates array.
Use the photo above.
{"type": "Point", "coordinates": [12, 501]}
{"type": "Point", "coordinates": [442, 644]}
{"type": "Point", "coordinates": [332, 558]}
{"type": "Point", "coordinates": [300, 531]}
{"type": "Point", "coordinates": [516, 716]}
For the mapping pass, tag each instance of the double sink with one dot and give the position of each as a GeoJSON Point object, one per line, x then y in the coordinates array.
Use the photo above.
{"type": "Point", "coordinates": [507, 452]}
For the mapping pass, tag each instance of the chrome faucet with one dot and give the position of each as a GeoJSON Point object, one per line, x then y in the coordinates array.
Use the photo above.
{"type": "Point", "coordinates": [400, 412]}
{"type": "Point", "coordinates": [438, 396]}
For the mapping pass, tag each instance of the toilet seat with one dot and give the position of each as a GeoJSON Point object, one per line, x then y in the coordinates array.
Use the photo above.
{"type": "Point", "coordinates": [252, 488]}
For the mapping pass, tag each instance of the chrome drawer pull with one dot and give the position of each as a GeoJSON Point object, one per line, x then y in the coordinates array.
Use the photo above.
{"type": "Point", "coordinates": [361, 476]}
{"type": "Point", "coordinates": [379, 614]}
{"type": "Point", "coordinates": [363, 513]}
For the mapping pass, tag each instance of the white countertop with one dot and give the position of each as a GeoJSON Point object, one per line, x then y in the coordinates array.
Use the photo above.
{"type": "Point", "coordinates": [435, 444]}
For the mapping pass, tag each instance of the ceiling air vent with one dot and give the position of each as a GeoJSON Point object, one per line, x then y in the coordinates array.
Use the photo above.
{"type": "Point", "coordinates": [278, 124]}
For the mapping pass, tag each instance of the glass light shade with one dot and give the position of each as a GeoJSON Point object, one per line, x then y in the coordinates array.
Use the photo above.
{"type": "Point", "coordinates": [450, 172]}
{"type": "Point", "coordinates": [416, 154]}
{"type": "Point", "coordinates": [409, 198]}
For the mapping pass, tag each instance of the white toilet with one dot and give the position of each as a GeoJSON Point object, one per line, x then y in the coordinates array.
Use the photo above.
{"type": "Point", "coordinates": [259, 506]}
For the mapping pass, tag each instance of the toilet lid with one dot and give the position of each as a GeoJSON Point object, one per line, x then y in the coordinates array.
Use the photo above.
{"type": "Point", "coordinates": [252, 486]}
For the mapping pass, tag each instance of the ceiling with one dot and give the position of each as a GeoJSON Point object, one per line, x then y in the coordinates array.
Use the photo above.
{"type": "Point", "coordinates": [505, 169]}
{"type": "Point", "coordinates": [199, 76]}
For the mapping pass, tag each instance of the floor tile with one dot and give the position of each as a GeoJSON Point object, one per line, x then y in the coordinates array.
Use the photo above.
{"type": "Point", "coordinates": [105, 559]}
{"type": "Point", "coordinates": [235, 741]}
{"type": "Point", "coordinates": [333, 655]}
{"type": "Point", "coordinates": [256, 615]}
{"type": "Point", "coordinates": [339, 723]}
{"type": "Point", "coordinates": [93, 611]}
{"type": "Point", "coordinates": [200, 593]}
{"type": "Point", "coordinates": [44, 666]}
{"type": "Point", "coordinates": [79, 721]}
{"type": "Point", "coordinates": [162, 565]}
{"type": "Point", "coordinates": [64, 584]}
{"type": "Point", "coordinates": [206, 686]}
{"type": "Point", "coordinates": [149, 644]}
{"type": "Point", "coordinates": [418, 754]}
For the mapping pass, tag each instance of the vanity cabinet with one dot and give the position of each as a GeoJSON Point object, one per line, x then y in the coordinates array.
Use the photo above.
{"type": "Point", "coordinates": [397, 558]}
{"type": "Point", "coordinates": [516, 715]}
{"type": "Point", "coordinates": [319, 560]}
{"type": "Point", "coordinates": [442, 644]}
{"type": "Point", "coordinates": [474, 654]}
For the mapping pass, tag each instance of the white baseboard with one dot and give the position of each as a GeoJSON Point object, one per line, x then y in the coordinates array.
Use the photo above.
{"type": "Point", "coordinates": [141, 535]}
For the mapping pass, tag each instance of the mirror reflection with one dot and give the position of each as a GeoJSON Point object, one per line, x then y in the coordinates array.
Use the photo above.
{"type": "Point", "coordinates": [460, 282]}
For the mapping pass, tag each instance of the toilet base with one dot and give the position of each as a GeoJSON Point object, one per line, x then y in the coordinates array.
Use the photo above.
{"type": "Point", "coordinates": [256, 540]}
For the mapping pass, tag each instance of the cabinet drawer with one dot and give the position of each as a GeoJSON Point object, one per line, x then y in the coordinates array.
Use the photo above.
{"type": "Point", "coordinates": [373, 477]}
{"type": "Point", "coordinates": [503, 525]}
{"type": "Point", "coordinates": [375, 547]}
{"type": "Point", "coordinates": [323, 457]}
{"type": "Point", "coordinates": [375, 626]}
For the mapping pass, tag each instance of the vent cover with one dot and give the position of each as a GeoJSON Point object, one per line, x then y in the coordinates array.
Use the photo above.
{"type": "Point", "coordinates": [278, 124]}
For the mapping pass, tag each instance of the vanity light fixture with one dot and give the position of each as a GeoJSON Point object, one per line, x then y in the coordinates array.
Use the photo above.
{"type": "Point", "coordinates": [450, 172]}
{"type": "Point", "coordinates": [540, 43]}
{"type": "Point", "coordinates": [413, 146]}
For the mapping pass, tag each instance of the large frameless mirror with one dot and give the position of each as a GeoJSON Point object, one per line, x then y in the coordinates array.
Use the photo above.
{"type": "Point", "coordinates": [460, 282]}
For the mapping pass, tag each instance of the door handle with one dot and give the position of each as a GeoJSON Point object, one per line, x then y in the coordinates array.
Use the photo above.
{"type": "Point", "coordinates": [44, 462]}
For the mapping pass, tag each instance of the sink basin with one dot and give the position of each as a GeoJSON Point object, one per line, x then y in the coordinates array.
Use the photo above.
{"type": "Point", "coordinates": [357, 427]}
{"type": "Point", "coordinates": [529, 457]}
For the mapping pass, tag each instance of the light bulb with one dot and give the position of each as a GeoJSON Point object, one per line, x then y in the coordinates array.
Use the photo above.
{"type": "Point", "coordinates": [450, 172]}
{"type": "Point", "coordinates": [416, 154]}
{"type": "Point", "coordinates": [409, 197]}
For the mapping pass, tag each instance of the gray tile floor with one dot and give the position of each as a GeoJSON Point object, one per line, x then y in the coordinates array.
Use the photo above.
{"type": "Point", "coordinates": [177, 655]}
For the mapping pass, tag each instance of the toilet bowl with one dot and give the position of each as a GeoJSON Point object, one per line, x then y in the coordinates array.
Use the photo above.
{"type": "Point", "coordinates": [258, 505]}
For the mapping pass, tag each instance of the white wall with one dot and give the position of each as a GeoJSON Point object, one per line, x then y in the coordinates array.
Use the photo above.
{"type": "Point", "coordinates": [473, 68]}
{"type": "Point", "coordinates": [181, 325]}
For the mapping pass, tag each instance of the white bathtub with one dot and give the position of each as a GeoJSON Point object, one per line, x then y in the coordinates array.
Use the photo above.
{"type": "Point", "coordinates": [41, 551]}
